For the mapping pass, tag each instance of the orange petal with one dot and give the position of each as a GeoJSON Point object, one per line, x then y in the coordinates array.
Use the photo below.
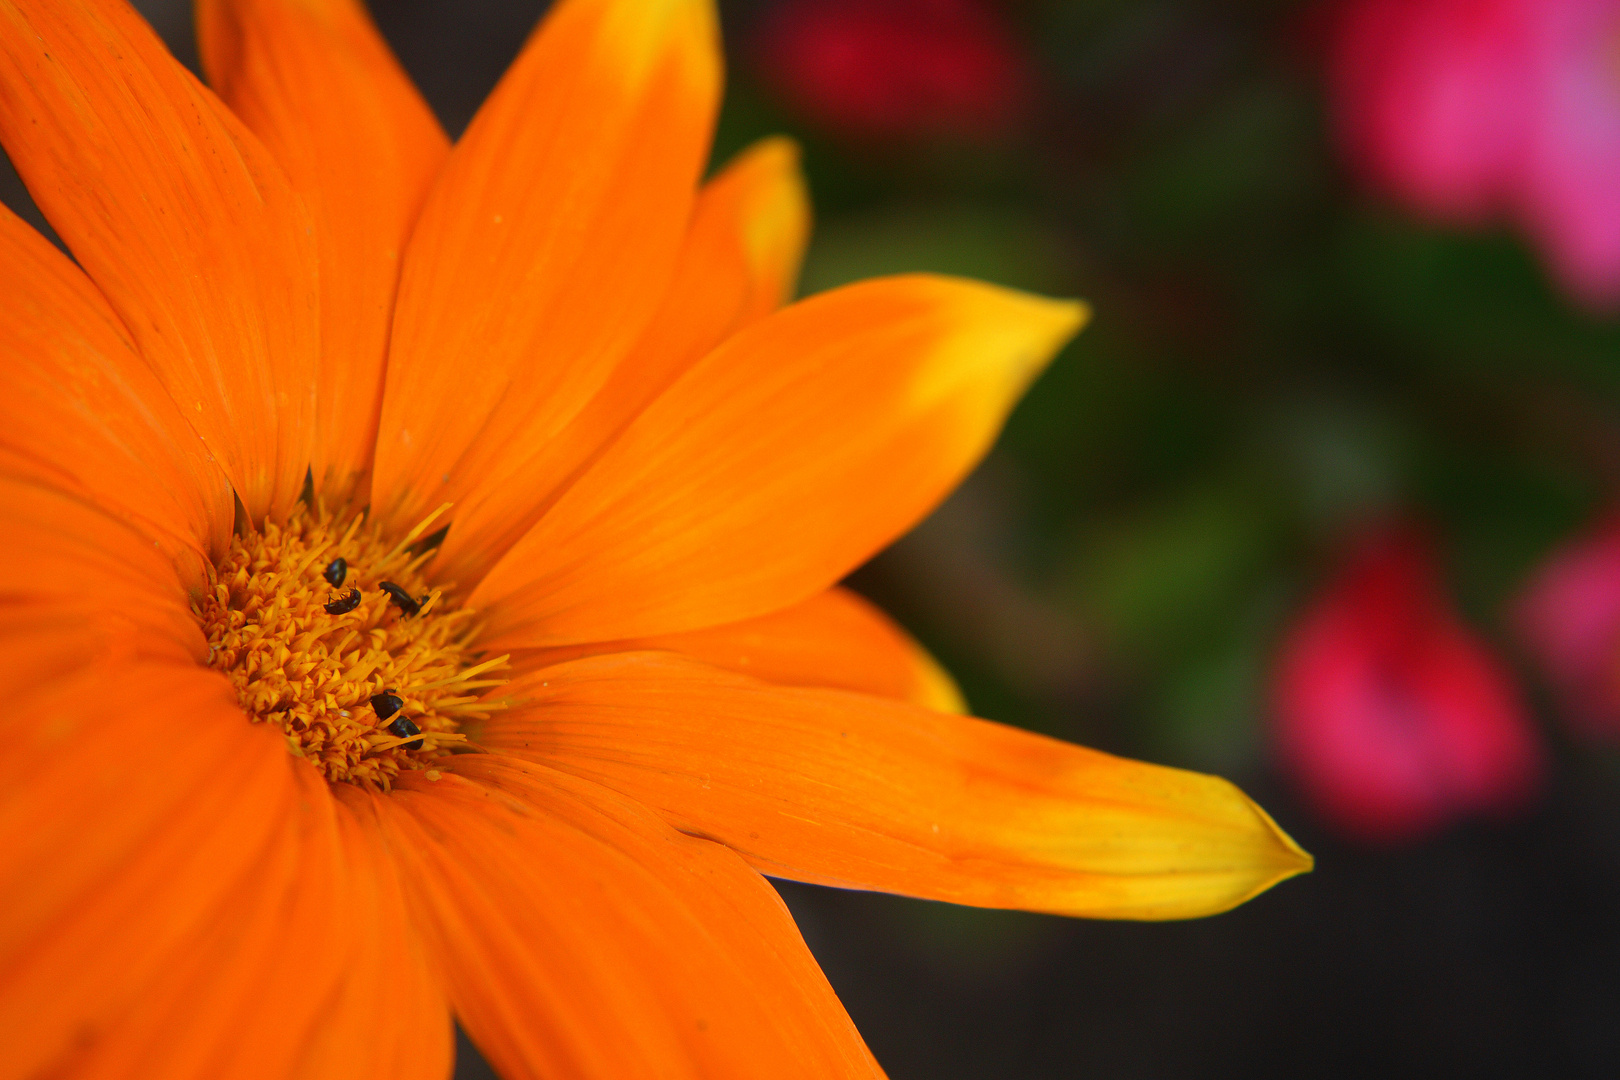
{"type": "Point", "coordinates": [834, 639]}
{"type": "Point", "coordinates": [180, 218]}
{"type": "Point", "coordinates": [77, 575]}
{"type": "Point", "coordinates": [81, 588]}
{"type": "Point", "coordinates": [137, 804]}
{"type": "Point", "coordinates": [181, 895]}
{"type": "Point", "coordinates": [391, 1018]}
{"type": "Point", "coordinates": [80, 410]}
{"type": "Point", "coordinates": [581, 937]}
{"type": "Point", "coordinates": [851, 790]}
{"type": "Point", "coordinates": [780, 462]}
{"type": "Point", "coordinates": [136, 797]}
{"type": "Point", "coordinates": [739, 263]}
{"type": "Point", "coordinates": [545, 246]}
{"type": "Point", "coordinates": [316, 82]}
{"type": "Point", "coordinates": [252, 993]}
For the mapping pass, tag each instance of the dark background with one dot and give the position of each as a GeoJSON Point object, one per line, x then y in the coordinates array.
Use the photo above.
{"type": "Point", "coordinates": [1276, 357]}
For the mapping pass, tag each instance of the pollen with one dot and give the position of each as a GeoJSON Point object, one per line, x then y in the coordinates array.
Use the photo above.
{"type": "Point", "coordinates": [365, 678]}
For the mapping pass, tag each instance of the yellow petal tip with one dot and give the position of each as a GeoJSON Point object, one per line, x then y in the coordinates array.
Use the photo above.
{"type": "Point", "coordinates": [998, 336]}
{"type": "Point", "coordinates": [1188, 845]}
{"type": "Point", "coordinates": [938, 691]}
{"type": "Point", "coordinates": [1047, 323]}
{"type": "Point", "coordinates": [782, 151]}
{"type": "Point", "coordinates": [1276, 858]}
{"type": "Point", "coordinates": [1293, 860]}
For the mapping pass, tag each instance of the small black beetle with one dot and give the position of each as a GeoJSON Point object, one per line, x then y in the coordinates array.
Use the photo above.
{"type": "Point", "coordinates": [387, 704]}
{"type": "Point", "coordinates": [336, 571]}
{"type": "Point", "coordinates": [405, 729]}
{"type": "Point", "coordinates": [407, 606]}
{"type": "Point", "coordinates": [344, 604]}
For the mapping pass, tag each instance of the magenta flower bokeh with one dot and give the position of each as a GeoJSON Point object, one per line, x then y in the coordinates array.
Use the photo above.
{"type": "Point", "coordinates": [896, 69]}
{"type": "Point", "coordinates": [1475, 111]}
{"type": "Point", "coordinates": [1391, 716]}
{"type": "Point", "coordinates": [1569, 619]}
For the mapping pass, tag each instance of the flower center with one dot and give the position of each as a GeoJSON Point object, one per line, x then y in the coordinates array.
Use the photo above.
{"type": "Point", "coordinates": [328, 630]}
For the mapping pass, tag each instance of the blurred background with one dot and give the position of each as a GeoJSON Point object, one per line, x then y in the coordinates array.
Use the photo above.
{"type": "Point", "coordinates": [1319, 501]}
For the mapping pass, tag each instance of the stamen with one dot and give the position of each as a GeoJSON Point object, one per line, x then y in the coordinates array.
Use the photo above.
{"type": "Point", "coordinates": [359, 690]}
{"type": "Point", "coordinates": [416, 531]}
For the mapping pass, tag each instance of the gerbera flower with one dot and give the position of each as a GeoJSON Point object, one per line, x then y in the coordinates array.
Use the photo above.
{"type": "Point", "coordinates": [340, 704]}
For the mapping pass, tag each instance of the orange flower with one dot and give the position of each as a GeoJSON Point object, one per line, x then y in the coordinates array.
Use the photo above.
{"type": "Point", "coordinates": [542, 743]}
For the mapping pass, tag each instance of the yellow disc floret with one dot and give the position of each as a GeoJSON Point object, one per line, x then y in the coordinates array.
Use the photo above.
{"type": "Point", "coordinates": [329, 631]}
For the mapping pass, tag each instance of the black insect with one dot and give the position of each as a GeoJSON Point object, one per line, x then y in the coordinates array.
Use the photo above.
{"type": "Point", "coordinates": [336, 571]}
{"type": "Point", "coordinates": [403, 728]}
{"type": "Point", "coordinates": [387, 704]}
{"type": "Point", "coordinates": [396, 595]}
{"type": "Point", "coordinates": [345, 603]}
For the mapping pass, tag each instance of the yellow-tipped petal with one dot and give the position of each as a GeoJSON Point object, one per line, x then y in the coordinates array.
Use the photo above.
{"type": "Point", "coordinates": [546, 245]}
{"type": "Point", "coordinates": [860, 792]}
{"type": "Point", "coordinates": [780, 462]}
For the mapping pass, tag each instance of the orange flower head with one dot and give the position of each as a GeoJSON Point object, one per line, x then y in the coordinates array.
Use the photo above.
{"type": "Point", "coordinates": [421, 590]}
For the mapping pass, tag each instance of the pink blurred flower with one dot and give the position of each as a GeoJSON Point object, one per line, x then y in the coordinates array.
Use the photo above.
{"type": "Point", "coordinates": [1569, 617]}
{"type": "Point", "coordinates": [879, 69]}
{"type": "Point", "coordinates": [1392, 717]}
{"type": "Point", "coordinates": [1476, 110]}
